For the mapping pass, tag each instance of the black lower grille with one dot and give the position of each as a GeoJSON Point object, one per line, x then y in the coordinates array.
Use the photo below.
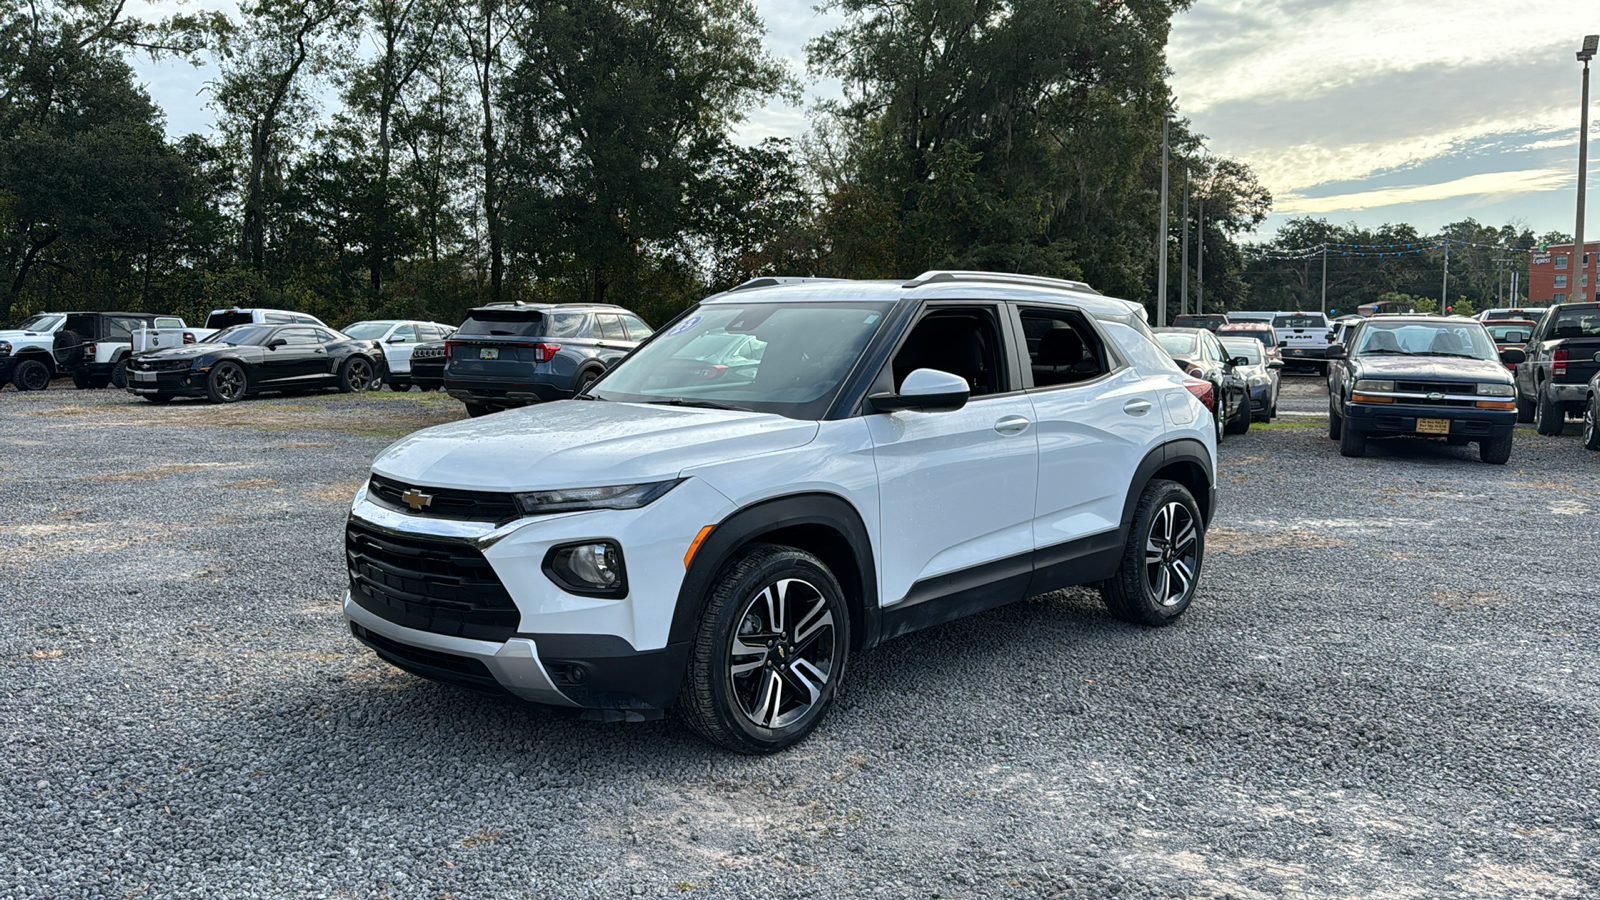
{"type": "Point", "coordinates": [462, 671]}
{"type": "Point", "coordinates": [1436, 387]}
{"type": "Point", "coordinates": [443, 503]}
{"type": "Point", "coordinates": [436, 586]}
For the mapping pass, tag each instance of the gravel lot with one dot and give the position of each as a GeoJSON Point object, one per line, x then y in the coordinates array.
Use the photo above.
{"type": "Point", "coordinates": [1386, 688]}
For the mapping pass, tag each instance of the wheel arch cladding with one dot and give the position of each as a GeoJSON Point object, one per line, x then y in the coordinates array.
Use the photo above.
{"type": "Point", "coordinates": [824, 525]}
{"type": "Point", "coordinates": [1184, 461]}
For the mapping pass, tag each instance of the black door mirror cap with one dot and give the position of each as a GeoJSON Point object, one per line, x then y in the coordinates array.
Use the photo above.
{"type": "Point", "coordinates": [1514, 355]}
{"type": "Point", "coordinates": [1337, 351]}
{"type": "Point", "coordinates": [275, 343]}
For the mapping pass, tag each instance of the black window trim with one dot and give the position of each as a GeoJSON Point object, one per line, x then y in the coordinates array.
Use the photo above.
{"type": "Point", "coordinates": [1010, 328]}
{"type": "Point", "coordinates": [1114, 361]}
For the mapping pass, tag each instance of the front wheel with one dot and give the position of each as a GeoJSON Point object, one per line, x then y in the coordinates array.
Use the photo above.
{"type": "Point", "coordinates": [1496, 451]}
{"type": "Point", "coordinates": [770, 651]}
{"type": "Point", "coordinates": [1335, 423]}
{"type": "Point", "coordinates": [31, 375]}
{"type": "Point", "coordinates": [1220, 415]}
{"type": "Point", "coordinates": [119, 374]}
{"type": "Point", "coordinates": [227, 383]}
{"type": "Point", "coordinates": [1160, 566]}
{"type": "Point", "coordinates": [1524, 410]}
{"type": "Point", "coordinates": [1591, 423]}
{"type": "Point", "coordinates": [585, 379]}
{"type": "Point", "coordinates": [1241, 415]}
{"type": "Point", "coordinates": [355, 375]}
{"type": "Point", "coordinates": [1352, 442]}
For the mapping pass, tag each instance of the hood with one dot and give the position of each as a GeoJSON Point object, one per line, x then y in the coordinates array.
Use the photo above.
{"type": "Point", "coordinates": [187, 351]}
{"type": "Point", "coordinates": [1432, 368]}
{"type": "Point", "coordinates": [584, 443]}
{"type": "Point", "coordinates": [12, 334]}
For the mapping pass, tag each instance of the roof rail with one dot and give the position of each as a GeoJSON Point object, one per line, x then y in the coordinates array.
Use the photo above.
{"type": "Point", "coordinates": [775, 280]}
{"type": "Point", "coordinates": [941, 275]}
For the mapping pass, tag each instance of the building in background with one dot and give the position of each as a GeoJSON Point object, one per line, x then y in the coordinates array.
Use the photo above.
{"type": "Point", "coordinates": [1554, 276]}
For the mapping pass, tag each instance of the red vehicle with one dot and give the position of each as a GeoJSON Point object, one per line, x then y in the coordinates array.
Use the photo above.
{"type": "Point", "coordinates": [1510, 333]}
{"type": "Point", "coordinates": [1266, 334]}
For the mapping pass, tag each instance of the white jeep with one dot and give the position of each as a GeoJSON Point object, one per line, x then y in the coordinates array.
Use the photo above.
{"type": "Point", "coordinates": [722, 539]}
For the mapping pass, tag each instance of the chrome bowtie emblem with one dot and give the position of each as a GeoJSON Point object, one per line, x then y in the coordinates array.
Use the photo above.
{"type": "Point", "coordinates": [416, 499]}
{"type": "Point", "coordinates": [1435, 396]}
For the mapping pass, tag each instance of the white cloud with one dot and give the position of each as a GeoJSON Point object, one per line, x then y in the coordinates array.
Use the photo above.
{"type": "Point", "coordinates": [1486, 187]}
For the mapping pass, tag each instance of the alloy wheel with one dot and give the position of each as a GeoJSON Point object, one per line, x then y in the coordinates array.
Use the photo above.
{"type": "Point", "coordinates": [1170, 554]}
{"type": "Point", "coordinates": [1589, 424]}
{"type": "Point", "coordinates": [783, 653]}
{"type": "Point", "coordinates": [360, 375]}
{"type": "Point", "coordinates": [230, 383]}
{"type": "Point", "coordinates": [36, 378]}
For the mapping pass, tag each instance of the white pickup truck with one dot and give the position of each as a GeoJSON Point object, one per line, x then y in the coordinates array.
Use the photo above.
{"type": "Point", "coordinates": [1304, 338]}
{"type": "Point", "coordinates": [92, 346]}
{"type": "Point", "coordinates": [174, 336]}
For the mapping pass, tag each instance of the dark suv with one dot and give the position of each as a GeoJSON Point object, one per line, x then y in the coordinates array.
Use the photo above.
{"type": "Point", "coordinates": [514, 354]}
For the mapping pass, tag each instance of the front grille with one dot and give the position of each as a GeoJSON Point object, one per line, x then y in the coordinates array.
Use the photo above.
{"type": "Point", "coordinates": [425, 351]}
{"type": "Point", "coordinates": [159, 365]}
{"type": "Point", "coordinates": [430, 585]}
{"type": "Point", "coordinates": [447, 503]}
{"type": "Point", "coordinates": [1436, 387]}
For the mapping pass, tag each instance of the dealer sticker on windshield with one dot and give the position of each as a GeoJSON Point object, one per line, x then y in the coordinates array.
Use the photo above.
{"type": "Point", "coordinates": [683, 326]}
{"type": "Point", "coordinates": [1433, 426]}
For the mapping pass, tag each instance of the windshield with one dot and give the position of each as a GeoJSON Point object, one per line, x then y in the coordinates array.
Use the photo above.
{"type": "Point", "coordinates": [1582, 322]}
{"type": "Point", "coordinates": [1250, 350]}
{"type": "Point", "coordinates": [368, 331]}
{"type": "Point", "coordinates": [784, 358]}
{"type": "Point", "coordinates": [1177, 344]}
{"type": "Point", "coordinates": [39, 323]}
{"type": "Point", "coordinates": [1307, 321]}
{"type": "Point", "coordinates": [241, 334]}
{"type": "Point", "coordinates": [1427, 339]}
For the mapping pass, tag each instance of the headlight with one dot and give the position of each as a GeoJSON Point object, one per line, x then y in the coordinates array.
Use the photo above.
{"type": "Point", "coordinates": [1374, 385]}
{"type": "Point", "coordinates": [621, 496]}
{"type": "Point", "coordinates": [5, 348]}
{"type": "Point", "coordinates": [1495, 390]}
{"type": "Point", "coordinates": [590, 567]}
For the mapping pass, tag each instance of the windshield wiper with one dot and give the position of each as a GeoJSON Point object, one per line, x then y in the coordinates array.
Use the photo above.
{"type": "Point", "coordinates": [1374, 352]}
{"type": "Point", "coordinates": [702, 404]}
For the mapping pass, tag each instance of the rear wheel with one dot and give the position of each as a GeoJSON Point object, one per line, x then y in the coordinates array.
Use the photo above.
{"type": "Point", "coordinates": [355, 375]}
{"type": "Point", "coordinates": [1352, 442]}
{"type": "Point", "coordinates": [585, 378]}
{"type": "Point", "coordinates": [31, 375]}
{"type": "Point", "coordinates": [1591, 422]}
{"type": "Point", "coordinates": [1160, 566]}
{"type": "Point", "coordinates": [82, 381]}
{"type": "Point", "coordinates": [1495, 450]}
{"type": "Point", "coordinates": [1549, 416]}
{"type": "Point", "coordinates": [401, 386]}
{"type": "Point", "coordinates": [478, 409]}
{"type": "Point", "coordinates": [769, 653]}
{"type": "Point", "coordinates": [119, 374]}
{"type": "Point", "coordinates": [1221, 414]}
{"type": "Point", "coordinates": [227, 383]}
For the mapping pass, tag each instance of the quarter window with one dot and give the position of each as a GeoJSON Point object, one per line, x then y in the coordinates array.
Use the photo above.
{"type": "Point", "coordinates": [609, 327]}
{"type": "Point", "coordinates": [298, 336]}
{"type": "Point", "coordinates": [637, 329]}
{"type": "Point", "coordinates": [1062, 348]}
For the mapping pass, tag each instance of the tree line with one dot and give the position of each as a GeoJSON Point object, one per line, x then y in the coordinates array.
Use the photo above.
{"type": "Point", "coordinates": [419, 157]}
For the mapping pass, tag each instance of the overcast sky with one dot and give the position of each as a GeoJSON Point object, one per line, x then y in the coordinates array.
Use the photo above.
{"type": "Point", "coordinates": [1366, 111]}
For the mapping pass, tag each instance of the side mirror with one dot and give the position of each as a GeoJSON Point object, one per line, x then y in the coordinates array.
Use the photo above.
{"type": "Point", "coordinates": [397, 339]}
{"type": "Point", "coordinates": [1337, 351]}
{"type": "Point", "coordinates": [275, 343]}
{"type": "Point", "coordinates": [1274, 363]}
{"type": "Point", "coordinates": [1513, 355]}
{"type": "Point", "coordinates": [1240, 361]}
{"type": "Point", "coordinates": [925, 390]}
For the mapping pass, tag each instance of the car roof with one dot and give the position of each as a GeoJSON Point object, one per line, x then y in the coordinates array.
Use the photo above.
{"type": "Point", "coordinates": [1419, 319]}
{"type": "Point", "coordinates": [541, 307]}
{"type": "Point", "coordinates": [934, 285]}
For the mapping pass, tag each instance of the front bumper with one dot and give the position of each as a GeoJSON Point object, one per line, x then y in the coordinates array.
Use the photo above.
{"type": "Point", "coordinates": [556, 647]}
{"type": "Point", "coordinates": [172, 383]}
{"type": "Point", "coordinates": [8, 366]}
{"type": "Point", "coordinates": [1379, 419]}
{"type": "Point", "coordinates": [1296, 354]}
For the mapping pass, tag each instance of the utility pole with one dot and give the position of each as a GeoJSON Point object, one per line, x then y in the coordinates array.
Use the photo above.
{"type": "Point", "coordinates": [1183, 277]}
{"type": "Point", "coordinates": [1500, 280]}
{"type": "Point", "coordinates": [1200, 262]}
{"type": "Point", "coordinates": [1161, 242]}
{"type": "Point", "coordinates": [1324, 279]}
{"type": "Point", "coordinates": [1444, 287]}
{"type": "Point", "coordinates": [1590, 44]}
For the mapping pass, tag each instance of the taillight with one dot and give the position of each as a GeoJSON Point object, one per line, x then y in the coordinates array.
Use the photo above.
{"type": "Point", "coordinates": [545, 352]}
{"type": "Point", "coordinates": [1202, 389]}
{"type": "Point", "coordinates": [1558, 362]}
{"type": "Point", "coordinates": [188, 337]}
{"type": "Point", "coordinates": [90, 349]}
{"type": "Point", "coordinates": [449, 348]}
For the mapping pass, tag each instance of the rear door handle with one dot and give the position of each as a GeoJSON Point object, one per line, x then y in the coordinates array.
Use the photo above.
{"type": "Point", "coordinates": [1136, 407]}
{"type": "Point", "coordinates": [1011, 425]}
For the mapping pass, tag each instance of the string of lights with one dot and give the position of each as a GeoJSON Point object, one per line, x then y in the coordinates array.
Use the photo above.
{"type": "Point", "coordinates": [1379, 251]}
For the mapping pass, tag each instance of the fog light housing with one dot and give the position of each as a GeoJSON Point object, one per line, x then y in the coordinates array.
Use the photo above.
{"type": "Point", "coordinates": [591, 568]}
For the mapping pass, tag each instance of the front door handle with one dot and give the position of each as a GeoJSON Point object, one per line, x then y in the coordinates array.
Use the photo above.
{"type": "Point", "coordinates": [1136, 407]}
{"type": "Point", "coordinates": [1011, 425]}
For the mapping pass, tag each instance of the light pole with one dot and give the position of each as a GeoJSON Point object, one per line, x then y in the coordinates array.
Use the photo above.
{"type": "Point", "coordinates": [1590, 44]}
{"type": "Point", "coordinates": [1183, 270]}
{"type": "Point", "coordinates": [1161, 241]}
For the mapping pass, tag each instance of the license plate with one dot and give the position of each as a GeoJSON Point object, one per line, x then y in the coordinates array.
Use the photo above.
{"type": "Point", "coordinates": [143, 376]}
{"type": "Point", "coordinates": [1433, 426]}
{"type": "Point", "coordinates": [489, 353]}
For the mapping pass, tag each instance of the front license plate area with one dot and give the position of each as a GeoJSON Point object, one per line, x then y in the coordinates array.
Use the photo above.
{"type": "Point", "coordinates": [143, 376]}
{"type": "Point", "coordinates": [1433, 426]}
{"type": "Point", "coordinates": [489, 353]}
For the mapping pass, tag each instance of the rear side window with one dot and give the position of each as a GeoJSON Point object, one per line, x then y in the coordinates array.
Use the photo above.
{"type": "Point", "coordinates": [1568, 323]}
{"type": "Point", "coordinates": [504, 323]}
{"type": "Point", "coordinates": [609, 327]}
{"type": "Point", "coordinates": [168, 322]}
{"type": "Point", "coordinates": [1062, 348]}
{"type": "Point", "coordinates": [299, 336]}
{"type": "Point", "coordinates": [637, 329]}
{"type": "Point", "coordinates": [121, 328]}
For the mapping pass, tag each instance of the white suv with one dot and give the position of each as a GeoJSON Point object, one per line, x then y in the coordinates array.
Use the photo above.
{"type": "Point", "coordinates": [721, 531]}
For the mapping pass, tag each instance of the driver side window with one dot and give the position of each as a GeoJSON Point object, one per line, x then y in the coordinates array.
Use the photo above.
{"type": "Point", "coordinates": [963, 341]}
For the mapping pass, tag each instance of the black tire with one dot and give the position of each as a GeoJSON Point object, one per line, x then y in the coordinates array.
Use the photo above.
{"type": "Point", "coordinates": [1241, 416]}
{"type": "Point", "coordinates": [1591, 423]}
{"type": "Point", "coordinates": [1496, 451]}
{"type": "Point", "coordinates": [399, 386]}
{"type": "Point", "coordinates": [158, 399]}
{"type": "Point", "coordinates": [119, 374]}
{"type": "Point", "coordinates": [478, 409]}
{"type": "Point", "coordinates": [1524, 411]}
{"type": "Point", "coordinates": [782, 653]}
{"type": "Point", "coordinates": [31, 375]}
{"type": "Point", "coordinates": [1166, 540]}
{"type": "Point", "coordinates": [68, 349]}
{"type": "Point", "coordinates": [355, 375]}
{"type": "Point", "coordinates": [584, 379]}
{"type": "Point", "coordinates": [1549, 416]}
{"type": "Point", "coordinates": [82, 381]}
{"type": "Point", "coordinates": [1352, 442]}
{"type": "Point", "coordinates": [1335, 423]}
{"type": "Point", "coordinates": [227, 382]}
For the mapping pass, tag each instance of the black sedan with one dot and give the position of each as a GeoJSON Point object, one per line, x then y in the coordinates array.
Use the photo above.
{"type": "Point", "coordinates": [246, 359]}
{"type": "Point", "coordinates": [1198, 352]}
{"type": "Point", "coordinates": [1425, 376]}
